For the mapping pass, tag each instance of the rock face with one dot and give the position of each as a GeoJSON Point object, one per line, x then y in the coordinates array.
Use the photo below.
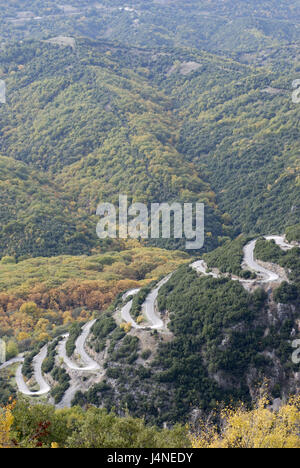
{"type": "Point", "coordinates": [274, 317]}
{"type": "Point", "coordinates": [184, 68]}
{"type": "Point", "coordinates": [277, 403]}
{"type": "Point", "coordinates": [284, 311]}
{"type": "Point", "coordinates": [273, 91]}
{"type": "Point", "coordinates": [63, 41]}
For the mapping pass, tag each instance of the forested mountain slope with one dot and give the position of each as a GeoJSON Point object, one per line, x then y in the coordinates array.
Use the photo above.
{"type": "Point", "coordinates": [244, 135]}
{"type": "Point", "coordinates": [228, 26]}
{"type": "Point", "coordinates": [36, 217]}
{"type": "Point", "coordinates": [102, 119]}
{"type": "Point", "coordinates": [96, 128]}
{"type": "Point", "coordinates": [223, 344]}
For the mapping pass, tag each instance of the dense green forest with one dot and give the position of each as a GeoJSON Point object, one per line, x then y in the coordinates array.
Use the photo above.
{"type": "Point", "coordinates": [243, 135]}
{"type": "Point", "coordinates": [92, 124]}
{"type": "Point", "coordinates": [293, 233]}
{"type": "Point", "coordinates": [174, 126]}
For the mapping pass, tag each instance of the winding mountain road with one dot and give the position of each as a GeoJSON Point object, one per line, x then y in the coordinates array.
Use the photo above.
{"type": "Point", "coordinates": [280, 240]}
{"type": "Point", "coordinates": [149, 306]}
{"type": "Point", "coordinates": [249, 261]}
{"type": "Point", "coordinates": [131, 292]}
{"type": "Point", "coordinates": [149, 310]}
{"type": "Point", "coordinates": [68, 397]}
{"type": "Point", "coordinates": [38, 375]}
{"type": "Point", "coordinates": [88, 363]}
{"type": "Point", "coordinates": [268, 276]}
{"type": "Point", "coordinates": [125, 311]}
{"type": "Point", "coordinates": [201, 267]}
{"type": "Point", "coordinates": [11, 362]}
{"type": "Point", "coordinates": [125, 314]}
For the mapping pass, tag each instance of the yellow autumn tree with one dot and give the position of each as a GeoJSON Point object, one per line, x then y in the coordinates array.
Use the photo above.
{"type": "Point", "coordinates": [23, 336]}
{"type": "Point", "coordinates": [6, 420]}
{"type": "Point", "coordinates": [30, 308]}
{"type": "Point", "coordinates": [126, 327]}
{"type": "Point", "coordinates": [261, 427]}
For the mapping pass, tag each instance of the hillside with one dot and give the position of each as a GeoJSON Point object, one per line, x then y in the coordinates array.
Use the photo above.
{"type": "Point", "coordinates": [143, 342]}
{"type": "Point", "coordinates": [42, 297]}
{"type": "Point", "coordinates": [224, 340]}
{"type": "Point", "coordinates": [245, 138]}
{"type": "Point", "coordinates": [231, 27]}
{"type": "Point", "coordinates": [88, 121]}
{"type": "Point", "coordinates": [189, 124]}
{"type": "Point", "coordinates": [219, 339]}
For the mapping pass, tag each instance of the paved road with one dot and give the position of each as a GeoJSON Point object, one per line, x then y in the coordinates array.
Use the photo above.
{"type": "Point", "coordinates": [38, 375]}
{"type": "Point", "coordinates": [125, 314]}
{"type": "Point", "coordinates": [88, 363]}
{"type": "Point", "coordinates": [11, 362]}
{"type": "Point", "coordinates": [280, 240]}
{"type": "Point", "coordinates": [131, 292]}
{"type": "Point", "coordinates": [87, 360]}
{"type": "Point", "coordinates": [149, 306]}
{"type": "Point", "coordinates": [201, 267]}
{"type": "Point", "coordinates": [68, 397]}
{"type": "Point", "coordinates": [268, 276]}
{"type": "Point", "coordinates": [125, 311]}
